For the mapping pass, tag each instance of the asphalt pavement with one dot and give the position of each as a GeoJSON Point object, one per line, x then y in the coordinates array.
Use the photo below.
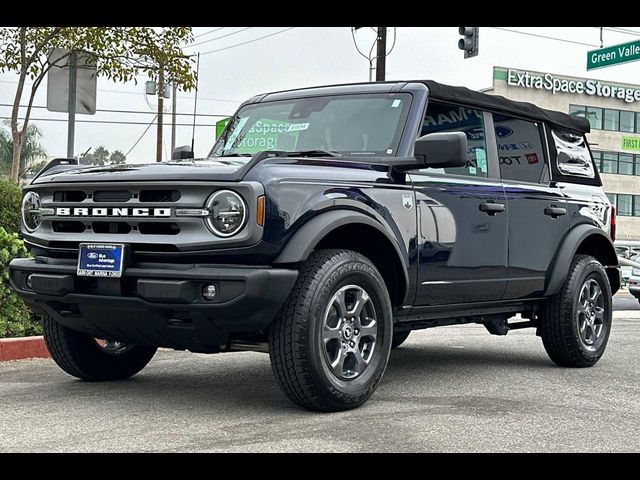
{"type": "Point", "coordinates": [447, 389]}
{"type": "Point", "coordinates": [625, 301]}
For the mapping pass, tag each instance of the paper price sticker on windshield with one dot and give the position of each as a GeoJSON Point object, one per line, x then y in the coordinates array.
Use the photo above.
{"type": "Point", "coordinates": [297, 127]}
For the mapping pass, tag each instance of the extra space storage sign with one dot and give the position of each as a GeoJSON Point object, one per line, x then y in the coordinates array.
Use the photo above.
{"type": "Point", "coordinates": [576, 86]}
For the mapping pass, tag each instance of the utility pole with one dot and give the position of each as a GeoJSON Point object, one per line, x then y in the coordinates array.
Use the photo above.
{"type": "Point", "coordinates": [173, 117]}
{"type": "Point", "coordinates": [381, 56]}
{"type": "Point", "coordinates": [160, 113]}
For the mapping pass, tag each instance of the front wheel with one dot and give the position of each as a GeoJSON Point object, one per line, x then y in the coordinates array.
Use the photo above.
{"type": "Point", "coordinates": [84, 357]}
{"type": "Point", "coordinates": [399, 337]}
{"type": "Point", "coordinates": [575, 324]}
{"type": "Point", "coordinates": [330, 345]}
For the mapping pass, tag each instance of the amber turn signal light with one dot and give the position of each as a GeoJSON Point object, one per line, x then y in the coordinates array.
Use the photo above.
{"type": "Point", "coordinates": [260, 211]}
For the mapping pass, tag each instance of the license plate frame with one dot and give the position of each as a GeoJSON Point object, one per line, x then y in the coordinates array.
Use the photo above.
{"type": "Point", "coordinates": [101, 260]}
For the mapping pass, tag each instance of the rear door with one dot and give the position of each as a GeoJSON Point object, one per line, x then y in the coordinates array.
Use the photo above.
{"type": "Point", "coordinates": [537, 209]}
{"type": "Point", "coordinates": [462, 217]}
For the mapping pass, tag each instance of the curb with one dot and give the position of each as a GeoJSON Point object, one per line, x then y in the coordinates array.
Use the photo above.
{"type": "Point", "coordinates": [22, 348]}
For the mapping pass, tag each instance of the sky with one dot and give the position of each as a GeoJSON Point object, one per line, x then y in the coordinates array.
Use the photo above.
{"type": "Point", "coordinates": [246, 64]}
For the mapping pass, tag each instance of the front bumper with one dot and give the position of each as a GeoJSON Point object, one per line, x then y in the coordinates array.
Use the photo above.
{"type": "Point", "coordinates": [634, 289]}
{"type": "Point", "coordinates": [156, 304]}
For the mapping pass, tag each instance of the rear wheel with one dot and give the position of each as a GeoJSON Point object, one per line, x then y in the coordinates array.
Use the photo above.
{"type": "Point", "coordinates": [82, 356]}
{"type": "Point", "coordinates": [330, 345]}
{"type": "Point", "coordinates": [575, 324]}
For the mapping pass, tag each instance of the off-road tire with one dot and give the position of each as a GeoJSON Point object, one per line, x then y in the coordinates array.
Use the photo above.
{"type": "Point", "coordinates": [558, 326]}
{"type": "Point", "coordinates": [294, 339]}
{"type": "Point", "coordinates": [80, 355]}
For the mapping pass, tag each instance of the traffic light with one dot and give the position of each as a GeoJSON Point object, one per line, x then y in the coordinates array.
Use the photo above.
{"type": "Point", "coordinates": [469, 41]}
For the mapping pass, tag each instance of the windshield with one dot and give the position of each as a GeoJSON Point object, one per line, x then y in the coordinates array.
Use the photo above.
{"type": "Point", "coordinates": [343, 125]}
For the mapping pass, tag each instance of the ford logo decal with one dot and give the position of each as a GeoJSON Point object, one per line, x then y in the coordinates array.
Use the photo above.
{"type": "Point", "coordinates": [503, 132]}
{"type": "Point", "coordinates": [92, 255]}
{"type": "Point", "coordinates": [475, 133]}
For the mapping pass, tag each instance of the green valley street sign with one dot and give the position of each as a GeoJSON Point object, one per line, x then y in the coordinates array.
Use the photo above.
{"type": "Point", "coordinates": [605, 57]}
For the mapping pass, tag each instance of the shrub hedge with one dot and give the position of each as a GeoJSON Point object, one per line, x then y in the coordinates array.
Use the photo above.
{"type": "Point", "coordinates": [16, 320]}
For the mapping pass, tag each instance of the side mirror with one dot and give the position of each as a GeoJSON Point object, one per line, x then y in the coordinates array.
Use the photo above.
{"type": "Point", "coordinates": [182, 153]}
{"type": "Point", "coordinates": [442, 150]}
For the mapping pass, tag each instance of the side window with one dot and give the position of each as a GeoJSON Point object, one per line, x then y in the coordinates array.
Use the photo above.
{"type": "Point", "coordinates": [520, 150]}
{"type": "Point", "coordinates": [442, 117]}
{"type": "Point", "coordinates": [573, 157]}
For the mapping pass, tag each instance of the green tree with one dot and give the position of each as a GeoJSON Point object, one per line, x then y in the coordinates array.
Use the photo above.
{"type": "Point", "coordinates": [100, 156]}
{"type": "Point", "coordinates": [87, 159]}
{"type": "Point", "coordinates": [119, 54]}
{"type": "Point", "coordinates": [117, 157]}
{"type": "Point", "coordinates": [32, 150]}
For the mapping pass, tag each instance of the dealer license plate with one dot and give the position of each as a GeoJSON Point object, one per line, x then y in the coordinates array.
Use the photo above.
{"type": "Point", "coordinates": [101, 260]}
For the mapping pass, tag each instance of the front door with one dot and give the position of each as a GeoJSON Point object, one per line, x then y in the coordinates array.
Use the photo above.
{"type": "Point", "coordinates": [462, 216]}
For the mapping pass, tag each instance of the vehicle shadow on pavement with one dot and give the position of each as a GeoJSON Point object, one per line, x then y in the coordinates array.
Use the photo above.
{"type": "Point", "coordinates": [425, 357]}
{"type": "Point", "coordinates": [230, 382]}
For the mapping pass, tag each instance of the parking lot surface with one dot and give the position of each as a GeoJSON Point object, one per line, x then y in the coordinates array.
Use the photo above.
{"type": "Point", "coordinates": [446, 389]}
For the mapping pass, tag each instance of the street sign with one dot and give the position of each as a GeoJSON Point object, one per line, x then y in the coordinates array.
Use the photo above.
{"type": "Point", "coordinates": [605, 57]}
{"type": "Point", "coordinates": [58, 83]}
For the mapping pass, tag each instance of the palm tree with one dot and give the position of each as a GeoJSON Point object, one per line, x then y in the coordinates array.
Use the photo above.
{"type": "Point", "coordinates": [32, 150]}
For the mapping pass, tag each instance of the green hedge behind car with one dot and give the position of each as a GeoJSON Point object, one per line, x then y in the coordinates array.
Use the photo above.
{"type": "Point", "coordinates": [16, 320]}
{"type": "Point", "coordinates": [10, 199]}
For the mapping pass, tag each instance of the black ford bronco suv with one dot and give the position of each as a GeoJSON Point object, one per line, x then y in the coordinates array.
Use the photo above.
{"type": "Point", "coordinates": [324, 226]}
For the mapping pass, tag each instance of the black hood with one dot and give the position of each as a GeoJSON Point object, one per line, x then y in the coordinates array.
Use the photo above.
{"type": "Point", "coordinates": [186, 170]}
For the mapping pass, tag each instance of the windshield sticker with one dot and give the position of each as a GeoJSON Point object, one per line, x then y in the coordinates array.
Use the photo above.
{"type": "Point", "coordinates": [481, 159]}
{"type": "Point", "coordinates": [297, 127]}
{"type": "Point", "coordinates": [396, 103]}
{"type": "Point", "coordinates": [236, 131]}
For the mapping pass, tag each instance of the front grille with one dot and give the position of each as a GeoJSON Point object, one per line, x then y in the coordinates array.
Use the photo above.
{"type": "Point", "coordinates": [111, 227]}
{"type": "Point", "coordinates": [68, 227]}
{"type": "Point", "coordinates": [152, 228]}
{"type": "Point", "coordinates": [135, 247]}
{"type": "Point", "coordinates": [112, 196]}
{"type": "Point", "coordinates": [142, 216]}
{"type": "Point", "coordinates": [159, 196]}
{"type": "Point", "coordinates": [69, 196]}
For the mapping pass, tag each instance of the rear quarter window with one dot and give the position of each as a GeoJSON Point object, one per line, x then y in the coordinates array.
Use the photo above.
{"type": "Point", "coordinates": [573, 157]}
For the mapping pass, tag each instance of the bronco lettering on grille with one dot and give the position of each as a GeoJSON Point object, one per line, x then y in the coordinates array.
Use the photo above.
{"type": "Point", "coordinates": [112, 212]}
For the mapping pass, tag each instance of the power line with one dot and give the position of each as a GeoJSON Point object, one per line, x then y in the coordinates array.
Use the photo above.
{"type": "Point", "coordinates": [208, 32]}
{"type": "Point", "coordinates": [621, 30]}
{"type": "Point", "coordinates": [143, 134]}
{"type": "Point", "coordinates": [105, 90]}
{"type": "Point", "coordinates": [136, 112]}
{"type": "Point", "coordinates": [113, 122]}
{"type": "Point", "coordinates": [218, 38]}
{"type": "Point", "coordinates": [537, 35]}
{"type": "Point", "coordinates": [249, 41]}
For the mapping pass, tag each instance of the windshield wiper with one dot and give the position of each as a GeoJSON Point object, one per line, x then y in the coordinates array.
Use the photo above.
{"type": "Point", "coordinates": [236, 155]}
{"type": "Point", "coordinates": [313, 153]}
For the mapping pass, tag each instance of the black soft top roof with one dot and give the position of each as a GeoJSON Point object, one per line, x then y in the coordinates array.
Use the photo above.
{"type": "Point", "coordinates": [501, 104]}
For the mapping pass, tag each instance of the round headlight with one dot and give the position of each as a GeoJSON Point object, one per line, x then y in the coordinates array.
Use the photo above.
{"type": "Point", "coordinates": [31, 216]}
{"type": "Point", "coordinates": [227, 213]}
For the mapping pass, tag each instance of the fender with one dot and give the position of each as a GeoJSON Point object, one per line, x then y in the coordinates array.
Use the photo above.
{"type": "Point", "coordinates": [567, 251]}
{"type": "Point", "coordinates": [313, 231]}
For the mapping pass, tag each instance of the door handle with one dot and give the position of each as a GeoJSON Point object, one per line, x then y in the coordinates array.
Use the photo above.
{"type": "Point", "coordinates": [491, 208]}
{"type": "Point", "coordinates": [554, 211]}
